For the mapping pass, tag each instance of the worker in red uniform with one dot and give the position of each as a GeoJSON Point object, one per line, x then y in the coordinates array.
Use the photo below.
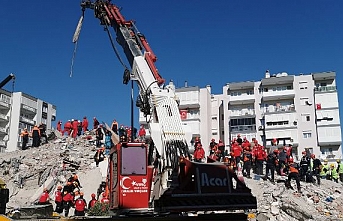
{"type": "Point", "coordinates": [59, 126]}
{"type": "Point", "coordinates": [44, 198]}
{"type": "Point", "coordinates": [105, 198]}
{"type": "Point", "coordinates": [260, 156]}
{"type": "Point", "coordinates": [114, 126]}
{"type": "Point", "coordinates": [59, 200]}
{"type": "Point", "coordinates": [141, 133]}
{"type": "Point", "coordinates": [74, 124]}
{"type": "Point", "coordinates": [92, 201]}
{"type": "Point", "coordinates": [221, 150]}
{"type": "Point", "coordinates": [67, 128]}
{"type": "Point", "coordinates": [237, 151]}
{"type": "Point", "coordinates": [95, 123]}
{"type": "Point", "coordinates": [199, 153]}
{"type": "Point", "coordinates": [68, 201]}
{"type": "Point", "coordinates": [80, 205]}
{"type": "Point", "coordinates": [84, 124]}
{"type": "Point", "coordinates": [247, 159]}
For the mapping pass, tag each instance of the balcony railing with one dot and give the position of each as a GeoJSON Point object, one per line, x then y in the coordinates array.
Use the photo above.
{"type": "Point", "coordinates": [242, 112]}
{"type": "Point", "coordinates": [275, 108]}
{"type": "Point", "coordinates": [26, 120]}
{"type": "Point", "coordinates": [2, 143]}
{"type": "Point", "coordinates": [28, 108]}
{"type": "Point", "coordinates": [241, 128]}
{"type": "Point", "coordinates": [325, 88]}
{"type": "Point", "coordinates": [3, 117]}
{"type": "Point", "coordinates": [3, 130]}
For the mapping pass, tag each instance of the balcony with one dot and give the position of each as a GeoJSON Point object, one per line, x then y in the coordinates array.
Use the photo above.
{"type": "Point", "coordinates": [275, 95]}
{"type": "Point", "coordinates": [243, 112]}
{"type": "Point", "coordinates": [28, 108]}
{"type": "Point", "coordinates": [325, 89]}
{"type": "Point", "coordinates": [278, 108]}
{"type": "Point", "coordinates": [242, 99]}
{"type": "Point", "coordinates": [4, 104]}
{"type": "Point", "coordinates": [3, 117]}
{"type": "Point", "coordinates": [3, 130]}
{"type": "Point", "coordinates": [26, 120]}
{"type": "Point", "coordinates": [2, 143]}
{"type": "Point", "coordinates": [243, 128]}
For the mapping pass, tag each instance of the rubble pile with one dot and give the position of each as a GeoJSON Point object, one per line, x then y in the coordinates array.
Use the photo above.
{"type": "Point", "coordinates": [27, 172]}
{"type": "Point", "coordinates": [276, 202]}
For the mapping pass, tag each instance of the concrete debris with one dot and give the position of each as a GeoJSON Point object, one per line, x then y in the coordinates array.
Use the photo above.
{"type": "Point", "coordinates": [27, 172]}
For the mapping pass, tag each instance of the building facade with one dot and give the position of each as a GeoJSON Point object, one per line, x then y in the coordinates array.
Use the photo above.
{"type": "Point", "coordinates": [300, 110]}
{"type": "Point", "coordinates": [18, 111]}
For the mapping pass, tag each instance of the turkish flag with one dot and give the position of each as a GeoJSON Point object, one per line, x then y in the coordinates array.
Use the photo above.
{"type": "Point", "coordinates": [183, 114]}
{"type": "Point", "coordinates": [318, 106]}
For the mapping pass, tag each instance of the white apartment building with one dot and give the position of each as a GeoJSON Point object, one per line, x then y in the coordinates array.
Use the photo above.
{"type": "Point", "coordinates": [18, 111]}
{"type": "Point", "coordinates": [299, 110]}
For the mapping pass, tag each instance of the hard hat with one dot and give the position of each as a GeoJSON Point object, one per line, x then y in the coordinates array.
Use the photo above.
{"type": "Point", "coordinates": [332, 165]}
{"type": "Point", "coordinates": [93, 195]}
{"type": "Point", "coordinates": [276, 151]}
{"type": "Point", "coordinates": [325, 161]}
{"type": "Point", "coordinates": [338, 160]}
{"type": "Point", "coordinates": [75, 177]}
{"type": "Point", "coordinates": [238, 135]}
{"type": "Point", "coordinates": [220, 141]}
{"type": "Point", "coordinates": [212, 139]}
{"type": "Point", "coordinates": [72, 119]}
{"type": "Point", "coordinates": [59, 187]}
{"type": "Point", "coordinates": [81, 193]}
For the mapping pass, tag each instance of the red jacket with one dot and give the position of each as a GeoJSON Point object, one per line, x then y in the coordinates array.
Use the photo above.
{"type": "Point", "coordinates": [68, 198]}
{"type": "Point", "coordinates": [105, 200]}
{"type": "Point", "coordinates": [58, 196]}
{"type": "Point", "coordinates": [260, 154]}
{"type": "Point", "coordinates": [237, 150]}
{"type": "Point", "coordinates": [92, 203]}
{"type": "Point", "coordinates": [44, 198]}
{"type": "Point", "coordinates": [80, 204]}
{"type": "Point", "coordinates": [67, 125]}
{"type": "Point", "coordinates": [85, 124]}
{"type": "Point", "coordinates": [199, 153]}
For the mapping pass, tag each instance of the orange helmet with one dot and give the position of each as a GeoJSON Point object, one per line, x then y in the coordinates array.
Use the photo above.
{"type": "Point", "coordinates": [104, 194]}
{"type": "Point", "coordinates": [93, 195]}
{"type": "Point", "coordinates": [75, 177]}
{"type": "Point", "coordinates": [276, 151]}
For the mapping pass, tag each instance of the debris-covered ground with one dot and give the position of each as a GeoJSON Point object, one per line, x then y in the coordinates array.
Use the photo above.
{"type": "Point", "coordinates": [27, 172]}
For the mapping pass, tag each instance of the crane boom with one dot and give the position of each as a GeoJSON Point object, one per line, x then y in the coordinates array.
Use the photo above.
{"type": "Point", "coordinates": [7, 79]}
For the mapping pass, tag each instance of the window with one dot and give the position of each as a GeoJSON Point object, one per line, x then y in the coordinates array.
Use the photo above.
{"type": "Point", "coordinates": [307, 135]}
{"type": "Point", "coordinates": [304, 100]}
{"type": "Point", "coordinates": [305, 117]}
{"type": "Point", "coordinates": [308, 118]}
{"type": "Point", "coordinates": [250, 92]}
{"type": "Point", "coordinates": [303, 84]}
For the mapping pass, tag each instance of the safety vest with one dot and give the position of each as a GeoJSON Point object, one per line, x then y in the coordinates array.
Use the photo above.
{"type": "Point", "coordinates": [340, 168]}
{"type": "Point", "coordinates": [322, 172]}
{"type": "Point", "coordinates": [334, 173]}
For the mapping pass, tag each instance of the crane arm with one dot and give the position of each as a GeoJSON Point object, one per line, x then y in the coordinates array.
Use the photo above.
{"type": "Point", "coordinates": [7, 79]}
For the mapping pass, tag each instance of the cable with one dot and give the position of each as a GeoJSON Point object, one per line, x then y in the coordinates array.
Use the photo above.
{"type": "Point", "coordinates": [114, 47]}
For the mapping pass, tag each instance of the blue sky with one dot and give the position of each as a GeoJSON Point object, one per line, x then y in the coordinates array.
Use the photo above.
{"type": "Point", "coordinates": [201, 42]}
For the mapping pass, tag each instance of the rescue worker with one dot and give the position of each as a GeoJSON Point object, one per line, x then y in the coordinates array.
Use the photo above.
{"type": "Point", "coordinates": [141, 133]}
{"type": "Point", "coordinates": [68, 202]}
{"type": "Point", "coordinates": [35, 134]}
{"type": "Point", "coordinates": [293, 169]}
{"type": "Point", "coordinates": [74, 180]}
{"type": "Point", "coordinates": [115, 127]}
{"type": "Point", "coordinates": [95, 123]}
{"type": "Point", "coordinates": [59, 200]}
{"type": "Point", "coordinates": [59, 126]}
{"type": "Point", "coordinates": [74, 124]}
{"type": "Point", "coordinates": [324, 170]}
{"type": "Point", "coordinates": [271, 165]}
{"type": "Point", "coordinates": [213, 146]}
{"type": "Point", "coordinates": [99, 156]}
{"type": "Point", "coordinates": [199, 153]}
{"type": "Point", "coordinates": [282, 157]}
{"type": "Point", "coordinates": [196, 141]}
{"type": "Point", "coordinates": [42, 130]}
{"type": "Point", "coordinates": [99, 135]}
{"type": "Point", "coordinates": [68, 187]}
{"type": "Point", "coordinates": [340, 169]}
{"type": "Point", "coordinates": [260, 156]}
{"type": "Point", "coordinates": [237, 152]}
{"type": "Point", "coordinates": [25, 138]}
{"type": "Point", "coordinates": [332, 173]}
{"type": "Point", "coordinates": [239, 139]}
{"type": "Point", "coordinates": [108, 142]}
{"type": "Point", "coordinates": [221, 150]}
{"type": "Point", "coordinates": [84, 124]}
{"type": "Point", "coordinates": [80, 205]}
{"type": "Point", "coordinates": [79, 128]}
{"type": "Point", "coordinates": [44, 198]}
{"type": "Point", "coordinates": [247, 159]}
{"type": "Point", "coordinates": [304, 166]}
{"type": "Point", "coordinates": [92, 201]}
{"type": "Point", "coordinates": [105, 198]}
{"type": "Point", "coordinates": [289, 150]}
{"type": "Point", "coordinates": [316, 167]}
{"type": "Point", "coordinates": [67, 128]}
{"type": "Point", "coordinates": [4, 196]}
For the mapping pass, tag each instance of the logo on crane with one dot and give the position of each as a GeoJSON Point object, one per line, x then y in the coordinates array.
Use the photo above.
{"type": "Point", "coordinates": [128, 183]}
{"type": "Point", "coordinates": [212, 181]}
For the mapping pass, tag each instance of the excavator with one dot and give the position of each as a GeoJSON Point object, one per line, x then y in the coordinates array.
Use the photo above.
{"type": "Point", "coordinates": [158, 179]}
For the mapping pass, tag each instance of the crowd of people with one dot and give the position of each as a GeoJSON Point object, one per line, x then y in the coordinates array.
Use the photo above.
{"type": "Point", "coordinates": [70, 195]}
{"type": "Point", "coordinates": [250, 156]}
